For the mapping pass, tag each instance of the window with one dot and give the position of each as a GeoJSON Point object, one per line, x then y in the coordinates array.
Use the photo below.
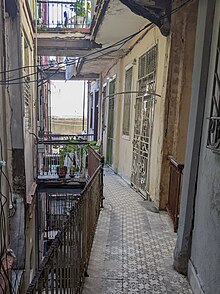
{"type": "Point", "coordinates": [146, 71]}
{"type": "Point", "coordinates": [213, 141]}
{"type": "Point", "coordinates": [27, 87]}
{"type": "Point", "coordinates": [127, 102]}
{"type": "Point", "coordinates": [27, 103]}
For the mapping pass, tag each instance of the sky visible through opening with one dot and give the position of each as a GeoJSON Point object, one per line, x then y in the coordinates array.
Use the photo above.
{"type": "Point", "coordinates": [67, 98]}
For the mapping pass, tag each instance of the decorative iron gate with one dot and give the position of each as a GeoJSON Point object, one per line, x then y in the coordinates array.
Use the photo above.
{"type": "Point", "coordinates": [144, 110]}
{"type": "Point", "coordinates": [110, 132]}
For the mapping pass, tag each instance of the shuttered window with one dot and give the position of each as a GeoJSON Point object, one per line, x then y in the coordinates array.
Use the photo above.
{"type": "Point", "coordinates": [127, 101]}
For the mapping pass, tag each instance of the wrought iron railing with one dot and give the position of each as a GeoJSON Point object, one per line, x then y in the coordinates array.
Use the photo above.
{"type": "Point", "coordinates": [62, 159]}
{"type": "Point", "coordinates": [68, 137]}
{"type": "Point", "coordinates": [174, 190]}
{"type": "Point", "coordinates": [94, 161]}
{"type": "Point", "coordinates": [63, 14]}
{"type": "Point", "coordinates": [64, 265]}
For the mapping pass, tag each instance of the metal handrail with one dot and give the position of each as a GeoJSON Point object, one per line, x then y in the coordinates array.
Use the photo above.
{"type": "Point", "coordinates": [65, 263]}
{"type": "Point", "coordinates": [175, 182]}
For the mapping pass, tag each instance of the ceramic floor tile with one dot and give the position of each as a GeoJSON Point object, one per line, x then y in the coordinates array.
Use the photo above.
{"type": "Point", "coordinates": [133, 246]}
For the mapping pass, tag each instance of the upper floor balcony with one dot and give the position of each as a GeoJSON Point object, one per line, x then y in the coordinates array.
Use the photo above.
{"type": "Point", "coordinates": [64, 15]}
{"type": "Point", "coordinates": [64, 158]}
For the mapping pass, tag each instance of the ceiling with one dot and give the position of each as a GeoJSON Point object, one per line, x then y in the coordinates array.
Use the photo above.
{"type": "Point", "coordinates": [112, 24]}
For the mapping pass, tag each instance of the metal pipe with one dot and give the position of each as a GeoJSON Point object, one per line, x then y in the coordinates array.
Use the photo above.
{"type": "Point", "coordinates": [84, 97]}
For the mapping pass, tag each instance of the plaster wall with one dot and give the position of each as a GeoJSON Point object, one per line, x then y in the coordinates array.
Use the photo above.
{"type": "Point", "coordinates": [123, 146]}
{"type": "Point", "coordinates": [27, 34]}
{"type": "Point", "coordinates": [125, 151]}
{"type": "Point", "coordinates": [178, 92]}
{"type": "Point", "coordinates": [205, 253]}
{"type": "Point", "coordinates": [199, 219]}
{"type": "Point", "coordinates": [3, 148]}
{"type": "Point", "coordinates": [15, 140]}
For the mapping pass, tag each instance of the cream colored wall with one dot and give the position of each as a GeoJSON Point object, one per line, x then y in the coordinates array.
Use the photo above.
{"type": "Point", "coordinates": [123, 147]}
{"type": "Point", "coordinates": [158, 126]}
{"type": "Point", "coordinates": [178, 92]}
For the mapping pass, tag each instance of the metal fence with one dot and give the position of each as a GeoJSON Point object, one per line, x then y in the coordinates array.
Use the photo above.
{"type": "Point", "coordinates": [94, 159]}
{"type": "Point", "coordinates": [62, 159]}
{"type": "Point", "coordinates": [64, 265]}
{"type": "Point", "coordinates": [174, 190]}
{"type": "Point", "coordinates": [67, 137]}
{"type": "Point", "coordinates": [63, 14]}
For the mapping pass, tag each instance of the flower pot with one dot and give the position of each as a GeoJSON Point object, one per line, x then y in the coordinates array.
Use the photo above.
{"type": "Point", "coordinates": [61, 171]}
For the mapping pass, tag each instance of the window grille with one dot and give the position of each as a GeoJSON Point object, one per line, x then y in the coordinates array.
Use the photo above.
{"type": "Point", "coordinates": [213, 141]}
{"type": "Point", "coordinates": [27, 103]}
{"type": "Point", "coordinates": [147, 62]}
{"type": "Point", "coordinates": [127, 101]}
{"type": "Point", "coordinates": [143, 123]}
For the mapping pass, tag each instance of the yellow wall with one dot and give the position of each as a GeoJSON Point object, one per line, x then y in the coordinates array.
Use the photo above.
{"type": "Point", "coordinates": [123, 147]}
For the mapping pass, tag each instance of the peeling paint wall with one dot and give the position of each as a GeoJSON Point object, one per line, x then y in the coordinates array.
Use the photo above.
{"type": "Point", "coordinates": [20, 144]}
{"type": "Point", "coordinates": [178, 94]}
{"type": "Point", "coordinates": [197, 248]}
{"type": "Point", "coordinates": [204, 264]}
{"type": "Point", "coordinates": [4, 189]}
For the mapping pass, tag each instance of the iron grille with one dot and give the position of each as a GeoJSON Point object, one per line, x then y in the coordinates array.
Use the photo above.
{"type": "Point", "coordinates": [213, 141]}
{"type": "Point", "coordinates": [27, 102]}
{"type": "Point", "coordinates": [144, 110]}
{"type": "Point", "coordinates": [147, 62]}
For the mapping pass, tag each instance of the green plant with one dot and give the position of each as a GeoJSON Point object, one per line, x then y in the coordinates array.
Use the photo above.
{"type": "Point", "coordinates": [72, 169]}
{"type": "Point", "coordinates": [80, 9]}
{"type": "Point", "coordinates": [63, 152]}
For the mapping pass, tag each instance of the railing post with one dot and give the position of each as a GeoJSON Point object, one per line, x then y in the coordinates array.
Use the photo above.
{"type": "Point", "coordinates": [102, 182]}
{"type": "Point", "coordinates": [174, 190]}
{"type": "Point", "coordinates": [65, 263]}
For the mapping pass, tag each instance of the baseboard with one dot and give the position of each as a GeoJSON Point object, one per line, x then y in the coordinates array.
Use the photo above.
{"type": "Point", "coordinates": [124, 178]}
{"type": "Point", "coordinates": [194, 280]}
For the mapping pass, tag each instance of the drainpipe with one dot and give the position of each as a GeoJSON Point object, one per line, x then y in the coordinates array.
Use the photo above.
{"type": "Point", "coordinates": [84, 97]}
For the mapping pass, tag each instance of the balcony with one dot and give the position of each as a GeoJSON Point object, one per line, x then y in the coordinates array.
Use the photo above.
{"type": "Point", "coordinates": [63, 157]}
{"type": "Point", "coordinates": [58, 15]}
{"type": "Point", "coordinates": [67, 214]}
{"type": "Point", "coordinates": [63, 28]}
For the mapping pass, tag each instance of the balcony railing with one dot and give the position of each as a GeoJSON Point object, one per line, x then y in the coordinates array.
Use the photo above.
{"type": "Point", "coordinates": [62, 159]}
{"type": "Point", "coordinates": [65, 263]}
{"type": "Point", "coordinates": [174, 190]}
{"type": "Point", "coordinates": [63, 14]}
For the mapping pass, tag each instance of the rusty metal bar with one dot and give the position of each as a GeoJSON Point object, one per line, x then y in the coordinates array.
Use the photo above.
{"type": "Point", "coordinates": [175, 182]}
{"type": "Point", "coordinates": [63, 14]}
{"type": "Point", "coordinates": [63, 268]}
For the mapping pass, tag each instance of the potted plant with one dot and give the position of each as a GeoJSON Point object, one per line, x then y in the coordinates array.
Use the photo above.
{"type": "Point", "coordinates": [81, 11]}
{"type": "Point", "coordinates": [72, 171]}
{"type": "Point", "coordinates": [62, 169]}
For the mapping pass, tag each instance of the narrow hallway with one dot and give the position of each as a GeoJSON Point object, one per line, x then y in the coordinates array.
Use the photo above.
{"type": "Point", "coordinates": [133, 246]}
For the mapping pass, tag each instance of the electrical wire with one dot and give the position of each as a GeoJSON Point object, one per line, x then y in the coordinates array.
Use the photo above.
{"type": "Point", "coordinates": [118, 43]}
{"type": "Point", "coordinates": [126, 39]}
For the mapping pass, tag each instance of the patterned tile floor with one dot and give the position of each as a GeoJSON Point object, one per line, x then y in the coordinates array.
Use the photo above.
{"type": "Point", "coordinates": [133, 246]}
